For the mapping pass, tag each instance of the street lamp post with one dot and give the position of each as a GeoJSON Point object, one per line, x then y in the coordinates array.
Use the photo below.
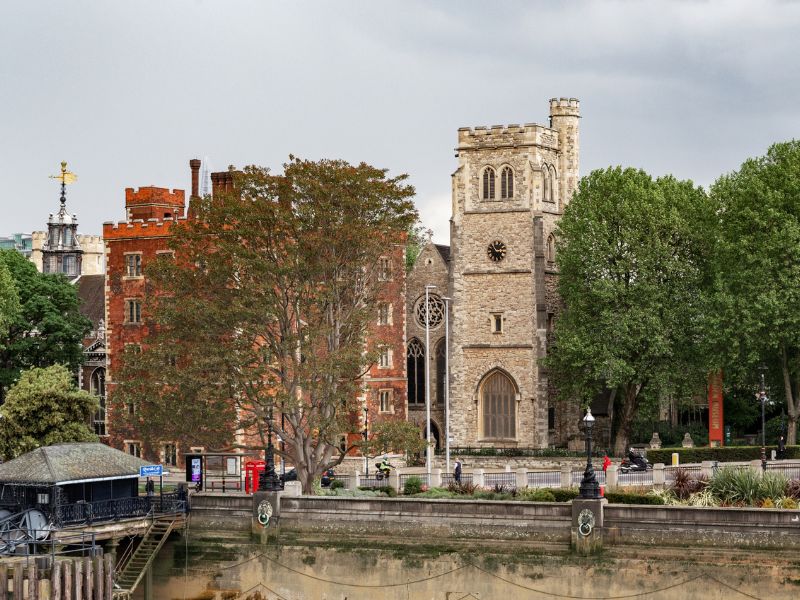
{"type": "Point", "coordinates": [589, 489]}
{"type": "Point", "coordinates": [366, 437]}
{"type": "Point", "coordinates": [447, 382]}
{"type": "Point", "coordinates": [269, 481]}
{"type": "Point", "coordinates": [428, 457]}
{"type": "Point", "coordinates": [762, 396]}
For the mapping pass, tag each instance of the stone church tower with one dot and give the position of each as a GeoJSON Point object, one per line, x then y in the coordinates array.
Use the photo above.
{"type": "Point", "coordinates": [509, 190]}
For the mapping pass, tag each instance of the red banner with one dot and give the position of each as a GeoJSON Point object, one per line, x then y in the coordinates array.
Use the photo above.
{"type": "Point", "coordinates": [716, 423]}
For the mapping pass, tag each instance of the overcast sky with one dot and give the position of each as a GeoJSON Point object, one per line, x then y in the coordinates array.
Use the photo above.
{"type": "Point", "coordinates": [128, 92]}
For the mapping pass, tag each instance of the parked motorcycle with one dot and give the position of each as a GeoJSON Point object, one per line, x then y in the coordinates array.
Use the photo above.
{"type": "Point", "coordinates": [382, 470]}
{"type": "Point", "coordinates": [634, 463]}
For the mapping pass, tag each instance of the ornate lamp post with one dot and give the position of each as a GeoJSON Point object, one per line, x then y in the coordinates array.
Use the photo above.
{"type": "Point", "coordinates": [589, 489]}
{"type": "Point", "coordinates": [269, 481]}
{"type": "Point", "coordinates": [762, 397]}
{"type": "Point", "coordinates": [365, 433]}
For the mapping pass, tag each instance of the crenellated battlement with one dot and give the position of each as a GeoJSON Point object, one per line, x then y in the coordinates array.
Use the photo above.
{"type": "Point", "coordinates": [139, 228]}
{"type": "Point", "coordinates": [506, 135]}
{"type": "Point", "coordinates": [154, 195]}
{"type": "Point", "coordinates": [565, 107]}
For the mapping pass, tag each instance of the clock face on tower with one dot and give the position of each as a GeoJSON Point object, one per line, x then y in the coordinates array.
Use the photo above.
{"type": "Point", "coordinates": [496, 251]}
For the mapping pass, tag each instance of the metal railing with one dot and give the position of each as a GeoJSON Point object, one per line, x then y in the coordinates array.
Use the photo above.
{"type": "Point", "coordinates": [507, 480]}
{"type": "Point", "coordinates": [118, 508]}
{"type": "Point", "coordinates": [577, 476]}
{"type": "Point", "coordinates": [404, 477]}
{"type": "Point", "coordinates": [538, 479]}
{"type": "Point", "coordinates": [448, 478]}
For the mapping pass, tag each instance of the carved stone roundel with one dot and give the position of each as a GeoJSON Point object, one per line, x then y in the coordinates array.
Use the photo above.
{"type": "Point", "coordinates": [435, 311]}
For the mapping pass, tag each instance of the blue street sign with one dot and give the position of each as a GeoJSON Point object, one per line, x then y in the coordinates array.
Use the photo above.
{"type": "Point", "coordinates": [151, 471]}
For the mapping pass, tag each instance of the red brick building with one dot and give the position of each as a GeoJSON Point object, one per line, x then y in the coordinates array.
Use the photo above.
{"type": "Point", "coordinates": [132, 244]}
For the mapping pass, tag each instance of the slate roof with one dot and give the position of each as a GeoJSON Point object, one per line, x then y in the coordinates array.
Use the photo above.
{"type": "Point", "coordinates": [91, 291]}
{"type": "Point", "coordinates": [65, 463]}
{"type": "Point", "coordinates": [444, 251]}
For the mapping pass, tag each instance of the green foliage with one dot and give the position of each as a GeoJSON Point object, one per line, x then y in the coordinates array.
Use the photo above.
{"type": "Point", "coordinates": [755, 316]}
{"type": "Point", "coordinates": [564, 494]}
{"type": "Point", "coordinates": [418, 237]}
{"type": "Point", "coordinates": [387, 490]}
{"type": "Point", "coordinates": [642, 432]}
{"type": "Point", "coordinates": [786, 502]}
{"type": "Point", "coordinates": [632, 497]}
{"type": "Point", "coordinates": [437, 494]}
{"type": "Point", "coordinates": [720, 454]}
{"type": "Point", "coordinates": [42, 328]}
{"type": "Point", "coordinates": [413, 485]}
{"type": "Point", "coordinates": [703, 499]}
{"type": "Point", "coordinates": [632, 259]}
{"type": "Point", "coordinates": [793, 489]}
{"type": "Point", "coordinates": [464, 488]}
{"type": "Point", "coordinates": [44, 408]}
{"type": "Point", "coordinates": [536, 495]}
{"type": "Point", "coordinates": [733, 485]}
{"type": "Point", "coordinates": [685, 483]}
{"type": "Point", "coordinates": [9, 300]}
{"type": "Point", "coordinates": [337, 484]}
{"type": "Point", "coordinates": [773, 485]}
{"type": "Point", "coordinates": [394, 435]}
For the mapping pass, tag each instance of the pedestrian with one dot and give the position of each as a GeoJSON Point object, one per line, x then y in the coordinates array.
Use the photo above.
{"type": "Point", "coordinates": [457, 472]}
{"type": "Point", "coordinates": [606, 463]}
{"type": "Point", "coordinates": [781, 447]}
{"type": "Point", "coordinates": [150, 487]}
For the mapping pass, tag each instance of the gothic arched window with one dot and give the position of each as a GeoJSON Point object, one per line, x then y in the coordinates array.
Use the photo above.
{"type": "Point", "coordinates": [553, 187]}
{"type": "Point", "coordinates": [498, 407]}
{"type": "Point", "coordinates": [416, 372]}
{"type": "Point", "coordinates": [441, 374]}
{"type": "Point", "coordinates": [488, 183]}
{"type": "Point", "coordinates": [551, 248]}
{"type": "Point", "coordinates": [97, 386]}
{"type": "Point", "coordinates": [506, 183]}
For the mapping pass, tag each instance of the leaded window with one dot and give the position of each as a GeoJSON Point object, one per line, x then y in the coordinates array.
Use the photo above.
{"type": "Point", "coordinates": [506, 183]}
{"type": "Point", "coordinates": [488, 183]}
{"type": "Point", "coordinates": [441, 373]}
{"type": "Point", "coordinates": [498, 407]}
{"type": "Point", "coordinates": [416, 372]}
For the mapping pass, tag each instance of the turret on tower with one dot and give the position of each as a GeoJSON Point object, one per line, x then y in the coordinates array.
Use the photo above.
{"type": "Point", "coordinates": [565, 114]}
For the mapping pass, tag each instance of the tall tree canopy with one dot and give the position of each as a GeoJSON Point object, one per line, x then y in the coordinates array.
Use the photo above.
{"type": "Point", "coordinates": [632, 269]}
{"type": "Point", "coordinates": [44, 407]}
{"type": "Point", "coordinates": [47, 329]}
{"type": "Point", "coordinates": [267, 302]}
{"type": "Point", "coordinates": [756, 316]}
{"type": "Point", "coordinates": [9, 300]}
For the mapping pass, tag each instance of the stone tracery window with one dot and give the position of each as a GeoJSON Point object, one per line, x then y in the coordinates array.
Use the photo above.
{"type": "Point", "coordinates": [416, 371]}
{"type": "Point", "coordinates": [551, 248]}
{"type": "Point", "coordinates": [506, 183]}
{"type": "Point", "coordinates": [488, 183]}
{"type": "Point", "coordinates": [498, 407]}
{"type": "Point", "coordinates": [441, 374]}
{"type": "Point", "coordinates": [435, 311]}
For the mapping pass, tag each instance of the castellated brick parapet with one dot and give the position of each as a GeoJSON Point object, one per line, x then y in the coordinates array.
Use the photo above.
{"type": "Point", "coordinates": [153, 202]}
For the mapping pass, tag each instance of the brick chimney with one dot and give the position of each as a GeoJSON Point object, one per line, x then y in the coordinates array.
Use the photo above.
{"type": "Point", "coordinates": [194, 165]}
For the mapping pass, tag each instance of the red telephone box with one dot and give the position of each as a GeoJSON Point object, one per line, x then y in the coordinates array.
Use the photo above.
{"type": "Point", "coordinates": [252, 468]}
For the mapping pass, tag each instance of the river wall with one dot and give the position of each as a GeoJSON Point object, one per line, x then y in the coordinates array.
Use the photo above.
{"type": "Point", "coordinates": [414, 521]}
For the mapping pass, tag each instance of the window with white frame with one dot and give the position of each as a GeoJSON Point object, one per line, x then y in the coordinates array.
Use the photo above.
{"type": "Point", "coordinates": [384, 357]}
{"type": "Point", "coordinates": [384, 269]}
{"type": "Point", "coordinates": [385, 401]}
{"type": "Point", "coordinates": [133, 265]}
{"type": "Point", "coordinates": [133, 311]}
{"type": "Point", "coordinates": [133, 448]}
{"type": "Point", "coordinates": [384, 313]}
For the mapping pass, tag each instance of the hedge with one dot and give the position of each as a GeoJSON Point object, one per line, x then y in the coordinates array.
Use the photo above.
{"type": "Point", "coordinates": [617, 497]}
{"type": "Point", "coordinates": [726, 454]}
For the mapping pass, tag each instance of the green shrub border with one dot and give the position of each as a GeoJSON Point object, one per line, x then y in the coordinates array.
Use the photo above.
{"type": "Point", "coordinates": [726, 454]}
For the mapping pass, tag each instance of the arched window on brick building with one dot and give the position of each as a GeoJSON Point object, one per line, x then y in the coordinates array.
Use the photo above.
{"type": "Point", "coordinates": [416, 371]}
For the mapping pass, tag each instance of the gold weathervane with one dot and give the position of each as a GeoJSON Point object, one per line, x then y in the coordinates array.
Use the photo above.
{"type": "Point", "coordinates": [66, 177]}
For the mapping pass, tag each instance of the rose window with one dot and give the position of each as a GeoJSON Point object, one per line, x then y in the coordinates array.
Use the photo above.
{"type": "Point", "coordinates": [435, 311]}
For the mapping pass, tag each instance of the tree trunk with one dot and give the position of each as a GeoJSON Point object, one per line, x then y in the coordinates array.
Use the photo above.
{"type": "Point", "coordinates": [791, 407]}
{"type": "Point", "coordinates": [791, 434]}
{"type": "Point", "coordinates": [627, 412]}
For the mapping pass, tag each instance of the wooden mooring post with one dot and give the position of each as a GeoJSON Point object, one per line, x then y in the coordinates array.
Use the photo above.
{"type": "Point", "coordinates": [65, 579]}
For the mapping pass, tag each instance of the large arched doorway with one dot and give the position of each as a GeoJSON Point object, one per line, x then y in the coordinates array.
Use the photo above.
{"type": "Point", "coordinates": [498, 413]}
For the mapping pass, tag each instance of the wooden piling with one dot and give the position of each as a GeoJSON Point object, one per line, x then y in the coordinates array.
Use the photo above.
{"type": "Point", "coordinates": [55, 579]}
{"type": "Point", "coordinates": [67, 587]}
{"type": "Point", "coordinates": [3, 582]}
{"type": "Point", "coordinates": [98, 578]}
{"type": "Point", "coordinates": [33, 582]}
{"type": "Point", "coordinates": [108, 567]}
{"type": "Point", "coordinates": [88, 580]}
{"type": "Point", "coordinates": [77, 565]}
{"type": "Point", "coordinates": [17, 581]}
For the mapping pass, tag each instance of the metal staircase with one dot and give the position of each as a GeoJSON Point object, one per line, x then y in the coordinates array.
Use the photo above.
{"type": "Point", "coordinates": [132, 568]}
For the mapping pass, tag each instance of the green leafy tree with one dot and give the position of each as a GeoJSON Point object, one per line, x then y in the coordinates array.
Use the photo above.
{"type": "Point", "coordinates": [418, 237]}
{"type": "Point", "coordinates": [9, 300]}
{"type": "Point", "coordinates": [267, 304]}
{"type": "Point", "coordinates": [394, 436]}
{"type": "Point", "coordinates": [47, 329]}
{"type": "Point", "coordinates": [756, 313]}
{"type": "Point", "coordinates": [631, 257]}
{"type": "Point", "coordinates": [44, 407]}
